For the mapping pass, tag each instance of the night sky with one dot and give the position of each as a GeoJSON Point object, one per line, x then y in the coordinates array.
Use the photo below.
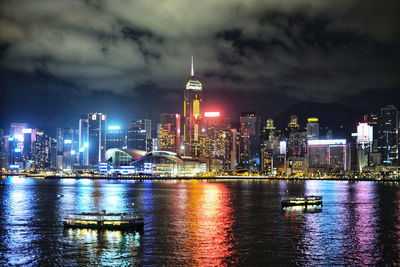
{"type": "Point", "coordinates": [131, 59]}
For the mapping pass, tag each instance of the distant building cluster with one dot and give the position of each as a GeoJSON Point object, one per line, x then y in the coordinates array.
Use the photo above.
{"type": "Point", "coordinates": [203, 142]}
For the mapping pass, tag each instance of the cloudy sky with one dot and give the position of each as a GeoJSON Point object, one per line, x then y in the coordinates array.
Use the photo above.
{"type": "Point", "coordinates": [131, 59]}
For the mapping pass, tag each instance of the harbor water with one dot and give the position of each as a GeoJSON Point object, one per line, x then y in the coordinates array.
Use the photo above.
{"type": "Point", "coordinates": [201, 222]}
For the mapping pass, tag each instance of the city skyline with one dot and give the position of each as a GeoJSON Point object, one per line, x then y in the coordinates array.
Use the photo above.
{"type": "Point", "coordinates": [263, 56]}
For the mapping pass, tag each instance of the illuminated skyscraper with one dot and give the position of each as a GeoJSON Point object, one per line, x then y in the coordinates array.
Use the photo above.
{"type": "Point", "coordinates": [3, 151]}
{"type": "Point", "coordinates": [83, 144]}
{"type": "Point", "coordinates": [96, 137]}
{"type": "Point", "coordinates": [250, 140]}
{"type": "Point", "coordinates": [217, 140]}
{"type": "Point", "coordinates": [68, 151]}
{"type": "Point", "coordinates": [312, 129]}
{"type": "Point", "coordinates": [41, 151]}
{"type": "Point", "coordinates": [192, 116]}
{"type": "Point", "coordinates": [294, 123]}
{"type": "Point", "coordinates": [388, 136]}
{"type": "Point", "coordinates": [116, 137]}
{"type": "Point", "coordinates": [327, 155]}
{"type": "Point", "coordinates": [138, 133]}
{"type": "Point", "coordinates": [169, 132]}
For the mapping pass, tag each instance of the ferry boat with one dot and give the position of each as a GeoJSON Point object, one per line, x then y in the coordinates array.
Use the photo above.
{"type": "Point", "coordinates": [301, 201]}
{"type": "Point", "coordinates": [103, 220]}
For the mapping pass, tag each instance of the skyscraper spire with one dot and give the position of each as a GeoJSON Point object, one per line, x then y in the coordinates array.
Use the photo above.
{"type": "Point", "coordinates": [192, 70]}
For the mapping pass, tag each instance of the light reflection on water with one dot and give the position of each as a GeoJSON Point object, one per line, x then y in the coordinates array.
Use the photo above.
{"type": "Point", "coordinates": [216, 223]}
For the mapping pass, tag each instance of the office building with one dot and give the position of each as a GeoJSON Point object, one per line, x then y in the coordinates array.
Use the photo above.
{"type": "Point", "coordinates": [192, 116]}
{"type": "Point", "coordinates": [327, 155]}
{"type": "Point", "coordinates": [3, 151]}
{"type": "Point", "coordinates": [293, 123]}
{"type": "Point", "coordinates": [388, 135]}
{"type": "Point", "coordinates": [312, 129]}
{"type": "Point", "coordinates": [138, 133]}
{"type": "Point", "coordinates": [97, 137]}
{"type": "Point", "coordinates": [169, 133]}
{"type": "Point", "coordinates": [249, 141]}
{"type": "Point", "coordinates": [116, 137]}
{"type": "Point", "coordinates": [83, 141]}
{"type": "Point", "coordinates": [217, 138]}
{"type": "Point", "coordinates": [41, 151]}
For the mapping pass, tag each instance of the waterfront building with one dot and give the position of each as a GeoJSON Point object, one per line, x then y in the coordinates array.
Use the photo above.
{"type": "Point", "coordinates": [373, 119]}
{"type": "Point", "coordinates": [235, 149]}
{"type": "Point", "coordinates": [68, 152]}
{"type": "Point", "coordinates": [217, 138]}
{"type": "Point", "coordinates": [169, 132]}
{"type": "Point", "coordinates": [364, 141]}
{"type": "Point", "coordinates": [159, 163]}
{"type": "Point", "coordinates": [96, 137]}
{"type": "Point", "coordinates": [192, 116]}
{"type": "Point", "coordinates": [298, 165]}
{"type": "Point", "coordinates": [28, 139]}
{"type": "Point", "coordinates": [53, 153]}
{"type": "Point", "coordinates": [266, 160]}
{"type": "Point", "coordinates": [327, 155]}
{"type": "Point", "coordinates": [115, 137]}
{"type": "Point", "coordinates": [250, 141]}
{"type": "Point", "coordinates": [3, 151]}
{"type": "Point", "coordinates": [83, 142]}
{"type": "Point", "coordinates": [41, 151]}
{"type": "Point", "coordinates": [138, 133]}
{"type": "Point", "coordinates": [388, 135]}
{"type": "Point", "coordinates": [312, 129]}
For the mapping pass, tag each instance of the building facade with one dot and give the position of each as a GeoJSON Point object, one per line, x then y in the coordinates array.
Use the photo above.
{"type": "Point", "coordinates": [192, 116]}
{"type": "Point", "coordinates": [96, 137]}
{"type": "Point", "coordinates": [388, 135]}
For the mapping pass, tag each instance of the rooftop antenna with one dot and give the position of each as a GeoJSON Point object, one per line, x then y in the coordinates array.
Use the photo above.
{"type": "Point", "coordinates": [192, 70]}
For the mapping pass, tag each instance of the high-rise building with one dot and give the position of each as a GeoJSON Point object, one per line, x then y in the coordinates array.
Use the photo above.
{"type": "Point", "coordinates": [41, 151]}
{"type": "Point", "coordinates": [169, 132]}
{"type": "Point", "coordinates": [28, 139]}
{"type": "Point", "coordinates": [312, 129]}
{"type": "Point", "coordinates": [68, 151]}
{"type": "Point", "coordinates": [217, 139]}
{"type": "Point", "coordinates": [373, 119]}
{"type": "Point", "coordinates": [192, 116]}
{"type": "Point", "coordinates": [17, 128]}
{"type": "Point", "coordinates": [97, 137]}
{"type": "Point", "coordinates": [53, 153]}
{"type": "Point", "coordinates": [327, 155]}
{"type": "Point", "coordinates": [249, 140]}
{"type": "Point", "coordinates": [268, 130]}
{"type": "Point", "coordinates": [363, 144]}
{"type": "Point", "coordinates": [297, 144]}
{"type": "Point", "coordinates": [388, 135]}
{"type": "Point", "coordinates": [60, 145]}
{"type": "Point", "coordinates": [83, 142]}
{"type": "Point", "coordinates": [116, 137]}
{"type": "Point", "coordinates": [3, 151]}
{"type": "Point", "coordinates": [294, 123]}
{"type": "Point", "coordinates": [138, 133]}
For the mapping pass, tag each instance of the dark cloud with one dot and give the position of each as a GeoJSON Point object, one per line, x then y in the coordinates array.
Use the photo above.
{"type": "Point", "coordinates": [314, 50]}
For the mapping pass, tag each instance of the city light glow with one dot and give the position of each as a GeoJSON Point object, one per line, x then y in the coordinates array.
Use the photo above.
{"type": "Point", "coordinates": [213, 114]}
{"type": "Point", "coordinates": [114, 127]}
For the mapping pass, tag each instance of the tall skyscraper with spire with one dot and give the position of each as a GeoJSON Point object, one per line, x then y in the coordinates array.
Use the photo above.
{"type": "Point", "coordinates": [192, 116]}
